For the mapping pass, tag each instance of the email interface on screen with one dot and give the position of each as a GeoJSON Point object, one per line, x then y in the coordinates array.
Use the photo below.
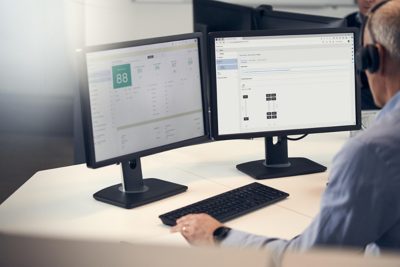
{"type": "Point", "coordinates": [275, 83]}
{"type": "Point", "coordinates": [144, 97]}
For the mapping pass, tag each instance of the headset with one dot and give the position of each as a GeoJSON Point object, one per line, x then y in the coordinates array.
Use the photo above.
{"type": "Point", "coordinates": [369, 53]}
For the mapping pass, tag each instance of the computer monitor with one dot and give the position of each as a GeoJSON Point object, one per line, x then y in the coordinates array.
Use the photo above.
{"type": "Point", "coordinates": [278, 83]}
{"type": "Point", "coordinates": [268, 19]}
{"type": "Point", "coordinates": [140, 98]}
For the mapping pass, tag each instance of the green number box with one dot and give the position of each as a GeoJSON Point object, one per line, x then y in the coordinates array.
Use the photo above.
{"type": "Point", "coordinates": [121, 76]}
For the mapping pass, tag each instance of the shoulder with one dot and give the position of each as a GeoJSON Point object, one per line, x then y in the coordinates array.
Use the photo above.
{"type": "Point", "coordinates": [383, 136]}
{"type": "Point", "coordinates": [370, 156]}
{"type": "Point", "coordinates": [355, 153]}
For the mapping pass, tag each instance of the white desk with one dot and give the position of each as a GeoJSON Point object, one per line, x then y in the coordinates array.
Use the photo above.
{"type": "Point", "coordinates": [59, 202]}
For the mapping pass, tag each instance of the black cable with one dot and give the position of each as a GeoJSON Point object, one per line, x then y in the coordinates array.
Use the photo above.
{"type": "Point", "coordinates": [296, 138]}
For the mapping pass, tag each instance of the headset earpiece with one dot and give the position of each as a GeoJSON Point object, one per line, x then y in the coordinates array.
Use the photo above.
{"type": "Point", "coordinates": [370, 58]}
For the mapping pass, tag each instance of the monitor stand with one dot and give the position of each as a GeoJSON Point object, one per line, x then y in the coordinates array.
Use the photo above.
{"type": "Point", "coordinates": [136, 191]}
{"type": "Point", "coordinates": [277, 164]}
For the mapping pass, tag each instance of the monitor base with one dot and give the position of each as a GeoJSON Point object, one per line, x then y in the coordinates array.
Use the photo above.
{"type": "Point", "coordinates": [154, 189]}
{"type": "Point", "coordinates": [298, 166]}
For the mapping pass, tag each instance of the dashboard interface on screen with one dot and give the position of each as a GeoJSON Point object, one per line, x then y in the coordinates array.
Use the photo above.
{"type": "Point", "coordinates": [286, 82]}
{"type": "Point", "coordinates": [144, 97]}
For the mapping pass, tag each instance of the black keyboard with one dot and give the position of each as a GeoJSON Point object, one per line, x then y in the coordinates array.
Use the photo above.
{"type": "Point", "coordinates": [229, 205]}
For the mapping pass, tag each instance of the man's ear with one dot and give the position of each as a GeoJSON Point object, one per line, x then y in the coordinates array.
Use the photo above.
{"type": "Point", "coordinates": [382, 58]}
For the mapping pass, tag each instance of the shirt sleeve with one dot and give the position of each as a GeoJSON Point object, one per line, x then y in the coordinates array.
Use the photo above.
{"type": "Point", "coordinates": [348, 212]}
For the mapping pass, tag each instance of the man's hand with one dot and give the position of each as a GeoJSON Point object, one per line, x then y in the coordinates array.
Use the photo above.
{"type": "Point", "coordinates": [197, 228]}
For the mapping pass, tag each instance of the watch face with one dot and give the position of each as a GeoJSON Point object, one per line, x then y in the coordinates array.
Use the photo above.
{"type": "Point", "coordinates": [221, 233]}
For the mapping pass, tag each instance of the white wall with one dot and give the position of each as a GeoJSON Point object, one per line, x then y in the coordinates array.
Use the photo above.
{"type": "Point", "coordinates": [122, 20]}
{"type": "Point", "coordinates": [37, 81]}
{"type": "Point", "coordinates": [36, 46]}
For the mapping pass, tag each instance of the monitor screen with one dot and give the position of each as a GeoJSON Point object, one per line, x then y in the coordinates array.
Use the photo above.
{"type": "Point", "coordinates": [279, 83]}
{"type": "Point", "coordinates": [140, 98]}
{"type": "Point", "coordinates": [292, 83]}
{"type": "Point", "coordinates": [144, 97]}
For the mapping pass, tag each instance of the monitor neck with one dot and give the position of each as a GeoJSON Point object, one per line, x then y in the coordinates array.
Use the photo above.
{"type": "Point", "coordinates": [276, 154]}
{"type": "Point", "coordinates": [132, 178]}
{"type": "Point", "coordinates": [277, 164]}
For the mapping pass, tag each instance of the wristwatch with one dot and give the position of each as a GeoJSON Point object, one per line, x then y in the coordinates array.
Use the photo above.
{"type": "Point", "coordinates": [221, 233]}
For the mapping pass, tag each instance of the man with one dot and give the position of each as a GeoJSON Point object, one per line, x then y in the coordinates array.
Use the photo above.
{"type": "Point", "coordinates": [356, 20]}
{"type": "Point", "coordinates": [361, 205]}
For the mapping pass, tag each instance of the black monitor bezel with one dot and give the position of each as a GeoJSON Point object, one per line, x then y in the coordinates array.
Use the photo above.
{"type": "Point", "coordinates": [213, 89]}
{"type": "Point", "coordinates": [86, 110]}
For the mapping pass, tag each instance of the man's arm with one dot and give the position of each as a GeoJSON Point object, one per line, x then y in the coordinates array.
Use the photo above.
{"type": "Point", "coordinates": [348, 214]}
{"type": "Point", "coordinates": [356, 209]}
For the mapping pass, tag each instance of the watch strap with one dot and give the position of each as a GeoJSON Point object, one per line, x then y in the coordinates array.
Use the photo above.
{"type": "Point", "coordinates": [221, 233]}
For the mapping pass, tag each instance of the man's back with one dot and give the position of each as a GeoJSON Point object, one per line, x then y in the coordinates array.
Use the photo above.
{"type": "Point", "coordinates": [374, 178]}
{"type": "Point", "coordinates": [384, 138]}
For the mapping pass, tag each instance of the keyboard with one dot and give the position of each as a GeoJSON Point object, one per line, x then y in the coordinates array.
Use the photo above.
{"type": "Point", "coordinates": [229, 205]}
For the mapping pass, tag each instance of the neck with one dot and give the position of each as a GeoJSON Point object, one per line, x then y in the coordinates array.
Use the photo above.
{"type": "Point", "coordinates": [394, 87]}
{"type": "Point", "coordinates": [393, 79]}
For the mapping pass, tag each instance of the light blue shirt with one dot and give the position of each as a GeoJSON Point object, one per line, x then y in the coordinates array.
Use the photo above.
{"type": "Point", "coordinates": [361, 204]}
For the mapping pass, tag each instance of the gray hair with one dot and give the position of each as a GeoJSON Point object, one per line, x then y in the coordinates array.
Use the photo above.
{"type": "Point", "coordinates": [385, 26]}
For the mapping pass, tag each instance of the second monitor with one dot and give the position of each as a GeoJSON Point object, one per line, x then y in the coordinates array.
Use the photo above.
{"type": "Point", "coordinates": [140, 98]}
{"type": "Point", "coordinates": [278, 83]}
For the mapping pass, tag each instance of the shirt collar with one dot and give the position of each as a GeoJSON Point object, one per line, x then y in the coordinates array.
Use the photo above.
{"type": "Point", "coordinates": [393, 103]}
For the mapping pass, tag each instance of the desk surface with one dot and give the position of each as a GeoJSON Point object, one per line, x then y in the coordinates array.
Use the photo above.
{"type": "Point", "coordinates": [59, 203]}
